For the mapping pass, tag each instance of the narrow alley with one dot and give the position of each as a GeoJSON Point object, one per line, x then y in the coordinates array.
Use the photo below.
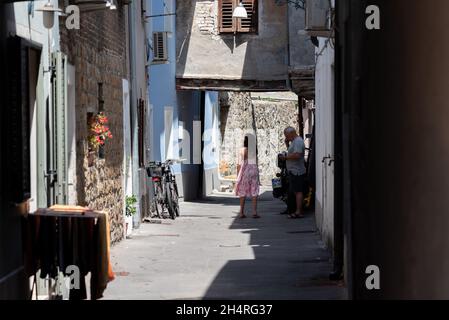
{"type": "Point", "coordinates": [133, 131]}
{"type": "Point", "coordinates": [209, 253]}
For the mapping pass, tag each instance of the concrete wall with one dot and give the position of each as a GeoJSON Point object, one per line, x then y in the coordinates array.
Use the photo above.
{"type": "Point", "coordinates": [302, 51]}
{"type": "Point", "coordinates": [203, 53]}
{"type": "Point", "coordinates": [266, 116]}
{"type": "Point", "coordinates": [324, 143]}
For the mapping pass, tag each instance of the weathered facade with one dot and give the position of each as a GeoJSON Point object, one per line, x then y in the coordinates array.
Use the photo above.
{"type": "Point", "coordinates": [57, 79]}
{"type": "Point", "coordinates": [209, 58]}
{"type": "Point", "coordinates": [301, 55]}
{"type": "Point", "coordinates": [98, 53]}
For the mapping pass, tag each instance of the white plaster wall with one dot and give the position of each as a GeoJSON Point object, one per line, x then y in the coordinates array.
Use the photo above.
{"type": "Point", "coordinates": [324, 201]}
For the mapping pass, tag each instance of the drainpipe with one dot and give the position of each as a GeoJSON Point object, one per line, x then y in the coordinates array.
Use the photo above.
{"type": "Point", "coordinates": [133, 106]}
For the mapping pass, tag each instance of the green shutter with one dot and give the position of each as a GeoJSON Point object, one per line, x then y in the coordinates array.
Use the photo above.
{"type": "Point", "coordinates": [60, 132]}
{"type": "Point", "coordinates": [41, 113]}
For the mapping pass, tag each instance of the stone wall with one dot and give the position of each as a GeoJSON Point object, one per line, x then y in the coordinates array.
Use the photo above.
{"type": "Point", "coordinates": [98, 52]}
{"type": "Point", "coordinates": [266, 118]}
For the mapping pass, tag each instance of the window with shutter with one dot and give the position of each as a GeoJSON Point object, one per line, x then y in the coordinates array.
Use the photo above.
{"type": "Point", "coordinates": [249, 24]}
{"type": "Point", "coordinates": [226, 7]}
{"type": "Point", "coordinates": [228, 24]}
{"type": "Point", "coordinates": [160, 47]}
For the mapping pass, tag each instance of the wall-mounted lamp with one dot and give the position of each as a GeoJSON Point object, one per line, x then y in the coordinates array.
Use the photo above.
{"type": "Point", "coordinates": [111, 5]}
{"type": "Point", "coordinates": [240, 11]}
{"type": "Point", "coordinates": [49, 11]}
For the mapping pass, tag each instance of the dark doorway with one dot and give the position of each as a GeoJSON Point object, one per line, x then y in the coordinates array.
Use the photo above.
{"type": "Point", "coordinates": [18, 78]}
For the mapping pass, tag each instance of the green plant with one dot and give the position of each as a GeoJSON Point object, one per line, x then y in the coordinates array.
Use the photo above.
{"type": "Point", "coordinates": [130, 205]}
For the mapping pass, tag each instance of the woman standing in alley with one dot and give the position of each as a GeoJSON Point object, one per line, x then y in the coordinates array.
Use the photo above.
{"type": "Point", "coordinates": [248, 175]}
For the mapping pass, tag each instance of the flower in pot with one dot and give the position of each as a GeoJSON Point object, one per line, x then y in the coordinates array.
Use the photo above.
{"type": "Point", "coordinates": [99, 131]}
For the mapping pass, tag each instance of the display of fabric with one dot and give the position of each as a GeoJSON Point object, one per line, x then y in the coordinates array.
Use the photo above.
{"type": "Point", "coordinates": [59, 237]}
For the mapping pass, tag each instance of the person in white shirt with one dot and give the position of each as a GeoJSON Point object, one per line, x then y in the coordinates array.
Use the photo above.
{"type": "Point", "coordinates": [296, 169]}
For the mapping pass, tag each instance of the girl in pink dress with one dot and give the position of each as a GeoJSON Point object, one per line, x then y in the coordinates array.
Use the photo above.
{"type": "Point", "coordinates": [248, 177]}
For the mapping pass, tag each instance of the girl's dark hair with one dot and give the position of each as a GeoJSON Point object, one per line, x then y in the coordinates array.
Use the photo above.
{"type": "Point", "coordinates": [245, 142]}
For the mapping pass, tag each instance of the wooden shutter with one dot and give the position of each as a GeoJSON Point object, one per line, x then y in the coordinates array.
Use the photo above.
{"type": "Point", "coordinates": [229, 24]}
{"type": "Point", "coordinates": [249, 24]}
{"type": "Point", "coordinates": [225, 10]}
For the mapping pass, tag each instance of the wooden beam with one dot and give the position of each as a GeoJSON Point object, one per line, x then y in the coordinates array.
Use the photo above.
{"type": "Point", "coordinates": [232, 85]}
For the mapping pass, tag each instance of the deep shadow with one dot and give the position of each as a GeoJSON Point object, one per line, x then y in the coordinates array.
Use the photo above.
{"type": "Point", "coordinates": [231, 200]}
{"type": "Point", "coordinates": [289, 262]}
{"type": "Point", "coordinates": [234, 41]}
{"type": "Point", "coordinates": [13, 282]}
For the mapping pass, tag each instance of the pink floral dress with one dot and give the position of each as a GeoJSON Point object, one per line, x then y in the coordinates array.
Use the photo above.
{"type": "Point", "coordinates": [248, 180]}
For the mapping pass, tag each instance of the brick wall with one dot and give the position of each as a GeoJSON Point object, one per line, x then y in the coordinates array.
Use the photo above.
{"type": "Point", "coordinates": [206, 17]}
{"type": "Point", "coordinates": [98, 52]}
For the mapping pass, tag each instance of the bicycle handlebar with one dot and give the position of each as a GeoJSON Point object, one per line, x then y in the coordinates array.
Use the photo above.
{"type": "Point", "coordinates": [170, 161]}
{"type": "Point", "coordinates": [167, 162]}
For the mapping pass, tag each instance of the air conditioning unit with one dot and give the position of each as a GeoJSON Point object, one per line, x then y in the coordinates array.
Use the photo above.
{"type": "Point", "coordinates": [160, 54]}
{"type": "Point", "coordinates": [318, 18]}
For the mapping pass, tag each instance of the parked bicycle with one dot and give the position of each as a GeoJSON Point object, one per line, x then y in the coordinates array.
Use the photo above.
{"type": "Point", "coordinates": [165, 189]}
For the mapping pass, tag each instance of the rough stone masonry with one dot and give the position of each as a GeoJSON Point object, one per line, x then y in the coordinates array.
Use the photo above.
{"type": "Point", "coordinates": [239, 113]}
{"type": "Point", "coordinates": [98, 52]}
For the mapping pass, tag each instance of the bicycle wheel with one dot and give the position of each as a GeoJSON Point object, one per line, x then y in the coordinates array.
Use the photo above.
{"type": "Point", "coordinates": [175, 198]}
{"type": "Point", "coordinates": [169, 200]}
{"type": "Point", "coordinates": [159, 208]}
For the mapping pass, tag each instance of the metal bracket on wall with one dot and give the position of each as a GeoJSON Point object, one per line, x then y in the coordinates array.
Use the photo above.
{"type": "Point", "coordinates": [160, 15]}
{"type": "Point", "coordinates": [326, 158]}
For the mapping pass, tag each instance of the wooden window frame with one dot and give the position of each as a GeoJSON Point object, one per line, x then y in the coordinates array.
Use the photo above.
{"type": "Point", "coordinates": [237, 26]}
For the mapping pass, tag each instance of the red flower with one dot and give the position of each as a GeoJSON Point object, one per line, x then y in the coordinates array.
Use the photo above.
{"type": "Point", "coordinates": [99, 132]}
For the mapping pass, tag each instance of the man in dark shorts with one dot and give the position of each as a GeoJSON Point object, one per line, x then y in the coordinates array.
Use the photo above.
{"type": "Point", "coordinates": [296, 169]}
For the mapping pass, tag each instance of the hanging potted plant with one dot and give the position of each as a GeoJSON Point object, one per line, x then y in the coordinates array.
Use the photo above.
{"type": "Point", "coordinates": [99, 133]}
{"type": "Point", "coordinates": [130, 202]}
